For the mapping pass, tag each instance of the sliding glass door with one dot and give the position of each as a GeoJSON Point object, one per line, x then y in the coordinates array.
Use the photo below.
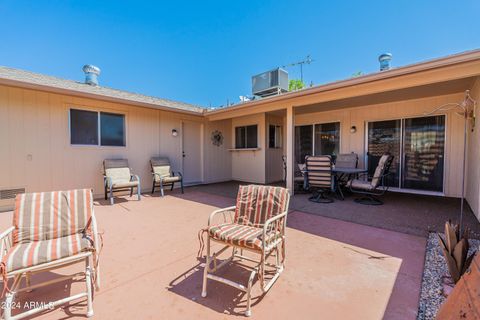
{"type": "Point", "coordinates": [418, 146]}
{"type": "Point", "coordinates": [424, 147]}
{"type": "Point", "coordinates": [317, 139]}
{"type": "Point", "coordinates": [385, 136]}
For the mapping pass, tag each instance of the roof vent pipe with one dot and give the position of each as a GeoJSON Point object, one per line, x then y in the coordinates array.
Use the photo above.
{"type": "Point", "coordinates": [384, 60]}
{"type": "Point", "coordinates": [91, 74]}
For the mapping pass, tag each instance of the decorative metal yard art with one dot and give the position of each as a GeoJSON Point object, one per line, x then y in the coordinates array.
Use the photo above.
{"type": "Point", "coordinates": [467, 110]}
{"type": "Point", "coordinates": [217, 138]}
{"type": "Point", "coordinates": [455, 249]}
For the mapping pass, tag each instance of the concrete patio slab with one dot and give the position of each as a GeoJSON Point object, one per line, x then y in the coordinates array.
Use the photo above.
{"type": "Point", "coordinates": [334, 269]}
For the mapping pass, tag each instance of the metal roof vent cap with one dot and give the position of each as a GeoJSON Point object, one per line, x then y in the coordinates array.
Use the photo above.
{"type": "Point", "coordinates": [384, 60]}
{"type": "Point", "coordinates": [91, 74]}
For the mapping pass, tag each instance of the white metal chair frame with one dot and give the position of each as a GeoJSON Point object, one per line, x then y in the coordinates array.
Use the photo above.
{"type": "Point", "coordinates": [278, 222]}
{"type": "Point", "coordinates": [92, 270]}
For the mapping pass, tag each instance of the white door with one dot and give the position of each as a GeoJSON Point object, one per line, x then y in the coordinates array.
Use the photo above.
{"type": "Point", "coordinates": [192, 152]}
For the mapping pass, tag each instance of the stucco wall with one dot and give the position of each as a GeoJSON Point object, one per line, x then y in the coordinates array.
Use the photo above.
{"type": "Point", "coordinates": [36, 151]}
{"type": "Point", "coordinates": [473, 159]}
{"type": "Point", "coordinates": [249, 166]}
{"type": "Point", "coordinates": [400, 109]}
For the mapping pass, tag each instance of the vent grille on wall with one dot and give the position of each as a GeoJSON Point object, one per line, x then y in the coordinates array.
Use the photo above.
{"type": "Point", "coordinates": [6, 194]}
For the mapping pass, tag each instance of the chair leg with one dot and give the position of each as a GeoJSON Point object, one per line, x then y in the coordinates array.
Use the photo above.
{"type": "Point", "coordinates": [181, 185]}
{"type": "Point", "coordinates": [106, 194]}
{"type": "Point", "coordinates": [161, 188]}
{"type": "Point", "coordinates": [139, 190]}
{"type": "Point", "coordinates": [96, 272]}
{"type": "Point", "coordinates": [111, 196]}
{"type": "Point", "coordinates": [131, 191]}
{"type": "Point", "coordinates": [88, 281]}
{"type": "Point", "coordinates": [248, 311]}
{"type": "Point", "coordinates": [369, 200]}
{"type": "Point", "coordinates": [153, 186]}
{"type": "Point", "coordinates": [173, 183]}
{"type": "Point", "coordinates": [7, 312]}
{"type": "Point", "coordinates": [205, 270]}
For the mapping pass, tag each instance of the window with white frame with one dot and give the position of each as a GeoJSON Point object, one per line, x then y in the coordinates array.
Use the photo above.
{"type": "Point", "coordinates": [97, 128]}
{"type": "Point", "coordinates": [246, 137]}
{"type": "Point", "coordinates": [274, 136]}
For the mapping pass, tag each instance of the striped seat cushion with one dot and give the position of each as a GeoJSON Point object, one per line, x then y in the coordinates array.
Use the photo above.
{"type": "Point", "coordinates": [241, 235]}
{"type": "Point", "coordinates": [24, 255]}
{"type": "Point", "coordinates": [256, 204]}
{"type": "Point", "coordinates": [50, 215]}
{"type": "Point", "coordinates": [319, 171]}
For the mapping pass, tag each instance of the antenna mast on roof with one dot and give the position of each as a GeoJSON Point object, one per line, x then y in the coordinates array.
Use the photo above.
{"type": "Point", "coordinates": [307, 60]}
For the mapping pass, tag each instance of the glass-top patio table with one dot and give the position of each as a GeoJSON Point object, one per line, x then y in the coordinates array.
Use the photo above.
{"type": "Point", "coordinates": [345, 174]}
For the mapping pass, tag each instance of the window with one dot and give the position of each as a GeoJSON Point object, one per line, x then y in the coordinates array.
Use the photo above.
{"type": "Point", "coordinates": [275, 137]}
{"type": "Point", "coordinates": [83, 127]}
{"type": "Point", "coordinates": [327, 138]}
{"type": "Point", "coordinates": [246, 137]}
{"type": "Point", "coordinates": [97, 128]}
{"type": "Point", "coordinates": [303, 142]}
{"type": "Point", "coordinates": [112, 128]}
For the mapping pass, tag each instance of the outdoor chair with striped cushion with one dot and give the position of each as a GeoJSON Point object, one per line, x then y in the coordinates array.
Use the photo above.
{"type": "Point", "coordinates": [255, 224]}
{"type": "Point", "coordinates": [320, 179]}
{"type": "Point", "coordinates": [50, 230]}
{"type": "Point", "coordinates": [163, 175]}
{"type": "Point", "coordinates": [117, 176]}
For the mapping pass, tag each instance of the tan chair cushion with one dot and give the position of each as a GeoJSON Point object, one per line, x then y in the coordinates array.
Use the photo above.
{"type": "Point", "coordinates": [241, 235]}
{"type": "Point", "coordinates": [118, 175]}
{"type": "Point", "coordinates": [346, 160]}
{"type": "Point", "coordinates": [128, 184]}
{"type": "Point", "coordinates": [168, 179]}
{"type": "Point", "coordinates": [24, 255]}
{"type": "Point", "coordinates": [360, 185]}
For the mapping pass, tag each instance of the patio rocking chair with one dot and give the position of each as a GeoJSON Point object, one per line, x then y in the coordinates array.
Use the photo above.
{"type": "Point", "coordinates": [117, 176]}
{"type": "Point", "coordinates": [376, 187]}
{"type": "Point", "coordinates": [163, 175]}
{"type": "Point", "coordinates": [256, 224]}
{"type": "Point", "coordinates": [50, 230]}
{"type": "Point", "coordinates": [320, 179]}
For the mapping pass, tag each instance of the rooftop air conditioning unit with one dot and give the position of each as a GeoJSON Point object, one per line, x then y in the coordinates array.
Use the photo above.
{"type": "Point", "coordinates": [270, 83]}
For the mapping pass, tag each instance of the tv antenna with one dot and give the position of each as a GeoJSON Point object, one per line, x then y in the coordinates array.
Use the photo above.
{"type": "Point", "coordinates": [307, 60]}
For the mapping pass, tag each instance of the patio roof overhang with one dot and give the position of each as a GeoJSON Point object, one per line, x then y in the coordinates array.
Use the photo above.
{"type": "Point", "coordinates": [439, 71]}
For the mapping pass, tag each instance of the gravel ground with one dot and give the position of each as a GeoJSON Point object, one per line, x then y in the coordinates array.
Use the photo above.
{"type": "Point", "coordinates": [435, 269]}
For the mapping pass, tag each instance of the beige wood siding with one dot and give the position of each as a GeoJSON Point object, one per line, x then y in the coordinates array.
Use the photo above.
{"type": "Point", "coordinates": [249, 166]}
{"type": "Point", "coordinates": [473, 167]}
{"type": "Point", "coordinates": [218, 159]}
{"type": "Point", "coordinates": [35, 141]}
{"type": "Point", "coordinates": [358, 117]}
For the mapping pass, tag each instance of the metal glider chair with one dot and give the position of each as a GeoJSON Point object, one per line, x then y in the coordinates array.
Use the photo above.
{"type": "Point", "coordinates": [163, 175]}
{"type": "Point", "coordinates": [256, 224]}
{"type": "Point", "coordinates": [320, 179]}
{"type": "Point", "coordinates": [117, 176]}
{"type": "Point", "coordinates": [376, 187]}
{"type": "Point", "coordinates": [50, 230]}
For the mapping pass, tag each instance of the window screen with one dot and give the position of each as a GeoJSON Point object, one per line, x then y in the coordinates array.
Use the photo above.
{"type": "Point", "coordinates": [83, 127]}
{"type": "Point", "coordinates": [246, 137]}
{"type": "Point", "coordinates": [112, 128]}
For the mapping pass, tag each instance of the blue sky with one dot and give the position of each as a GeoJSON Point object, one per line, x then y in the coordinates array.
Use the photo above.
{"type": "Point", "coordinates": [205, 52]}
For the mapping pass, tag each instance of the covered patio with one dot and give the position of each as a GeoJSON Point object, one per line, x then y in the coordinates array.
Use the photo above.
{"type": "Point", "coordinates": [150, 268]}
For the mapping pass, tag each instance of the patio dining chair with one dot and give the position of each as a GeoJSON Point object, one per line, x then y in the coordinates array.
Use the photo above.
{"type": "Point", "coordinates": [373, 187]}
{"type": "Point", "coordinates": [320, 179]}
{"type": "Point", "coordinates": [50, 230]}
{"type": "Point", "coordinates": [255, 224]}
{"type": "Point", "coordinates": [163, 175]}
{"type": "Point", "coordinates": [345, 160]}
{"type": "Point", "coordinates": [117, 176]}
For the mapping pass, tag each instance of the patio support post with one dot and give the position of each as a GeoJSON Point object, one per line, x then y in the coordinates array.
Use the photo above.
{"type": "Point", "coordinates": [290, 148]}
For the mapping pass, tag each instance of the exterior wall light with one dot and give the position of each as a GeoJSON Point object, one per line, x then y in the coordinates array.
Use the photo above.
{"type": "Point", "coordinates": [174, 132]}
{"type": "Point", "coordinates": [353, 129]}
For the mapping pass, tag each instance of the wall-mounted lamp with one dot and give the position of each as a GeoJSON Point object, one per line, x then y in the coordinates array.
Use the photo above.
{"type": "Point", "coordinates": [174, 132]}
{"type": "Point", "coordinates": [353, 129]}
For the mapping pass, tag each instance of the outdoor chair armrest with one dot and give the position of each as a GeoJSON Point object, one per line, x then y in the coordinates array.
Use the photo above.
{"type": "Point", "coordinates": [5, 241]}
{"type": "Point", "coordinates": [214, 213]}
{"type": "Point", "coordinates": [134, 177]}
{"type": "Point", "coordinates": [179, 174]}
{"type": "Point", "coordinates": [270, 221]}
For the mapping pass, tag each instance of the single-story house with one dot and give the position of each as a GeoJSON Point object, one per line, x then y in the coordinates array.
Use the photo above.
{"type": "Point", "coordinates": [55, 133]}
